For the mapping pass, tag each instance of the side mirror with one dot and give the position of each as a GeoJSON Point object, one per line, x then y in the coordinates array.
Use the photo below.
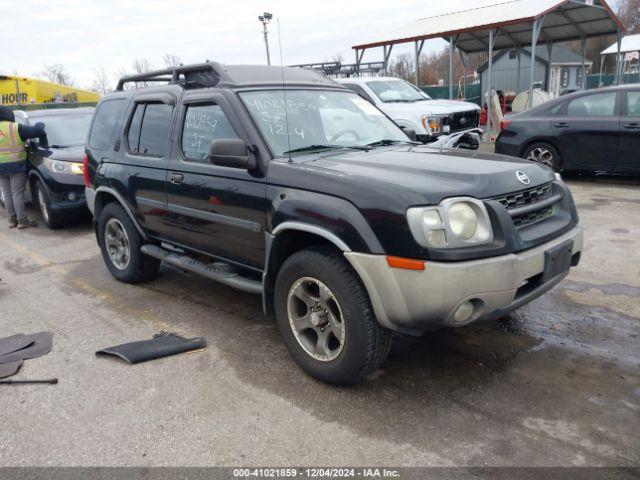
{"type": "Point", "coordinates": [231, 152]}
{"type": "Point", "coordinates": [410, 132]}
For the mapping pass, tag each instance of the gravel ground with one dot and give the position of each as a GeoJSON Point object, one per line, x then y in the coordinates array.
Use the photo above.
{"type": "Point", "coordinates": [557, 383]}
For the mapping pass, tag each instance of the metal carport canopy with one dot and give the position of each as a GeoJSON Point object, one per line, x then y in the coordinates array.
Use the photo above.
{"type": "Point", "coordinates": [564, 20]}
{"type": "Point", "coordinates": [630, 43]}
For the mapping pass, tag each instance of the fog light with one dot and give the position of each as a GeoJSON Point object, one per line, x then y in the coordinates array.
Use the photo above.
{"type": "Point", "coordinates": [463, 312]}
{"type": "Point", "coordinates": [72, 197]}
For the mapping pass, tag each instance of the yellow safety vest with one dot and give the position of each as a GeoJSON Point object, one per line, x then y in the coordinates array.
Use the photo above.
{"type": "Point", "coordinates": [11, 146]}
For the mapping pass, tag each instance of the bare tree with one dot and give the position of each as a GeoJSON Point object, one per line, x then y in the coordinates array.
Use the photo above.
{"type": "Point", "coordinates": [629, 13]}
{"type": "Point", "coordinates": [101, 82]}
{"type": "Point", "coordinates": [142, 65]}
{"type": "Point", "coordinates": [337, 57]}
{"type": "Point", "coordinates": [171, 60]}
{"type": "Point", "coordinates": [402, 66]}
{"type": "Point", "coordinates": [57, 74]}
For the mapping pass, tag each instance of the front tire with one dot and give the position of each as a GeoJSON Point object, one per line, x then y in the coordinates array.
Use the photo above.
{"type": "Point", "coordinates": [120, 244]}
{"type": "Point", "coordinates": [325, 317]}
{"type": "Point", "coordinates": [43, 200]}
{"type": "Point", "coordinates": [545, 153]}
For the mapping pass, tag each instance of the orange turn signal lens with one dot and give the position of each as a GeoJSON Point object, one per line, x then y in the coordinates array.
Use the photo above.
{"type": "Point", "coordinates": [406, 263]}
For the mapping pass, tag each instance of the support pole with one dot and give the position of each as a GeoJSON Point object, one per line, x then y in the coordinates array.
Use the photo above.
{"type": "Point", "coordinates": [535, 33]}
{"type": "Point", "coordinates": [550, 54]}
{"type": "Point", "coordinates": [452, 46]}
{"type": "Point", "coordinates": [463, 59]}
{"type": "Point", "coordinates": [600, 75]}
{"type": "Point", "coordinates": [490, 67]}
{"type": "Point", "coordinates": [583, 42]}
{"type": "Point", "coordinates": [418, 51]}
{"type": "Point", "coordinates": [519, 56]}
{"type": "Point", "coordinates": [618, 78]}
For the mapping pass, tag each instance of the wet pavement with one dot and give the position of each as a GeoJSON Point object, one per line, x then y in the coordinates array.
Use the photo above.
{"type": "Point", "coordinates": [556, 383]}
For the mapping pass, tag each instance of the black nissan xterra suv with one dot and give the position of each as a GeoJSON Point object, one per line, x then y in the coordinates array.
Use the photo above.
{"type": "Point", "coordinates": [280, 182]}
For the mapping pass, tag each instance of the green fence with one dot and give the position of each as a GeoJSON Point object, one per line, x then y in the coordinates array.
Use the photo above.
{"type": "Point", "coordinates": [593, 81]}
{"type": "Point", "coordinates": [472, 92]}
{"type": "Point", "coordinates": [50, 106]}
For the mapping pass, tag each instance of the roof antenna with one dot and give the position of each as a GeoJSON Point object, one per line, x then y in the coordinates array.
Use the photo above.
{"type": "Point", "coordinates": [284, 92]}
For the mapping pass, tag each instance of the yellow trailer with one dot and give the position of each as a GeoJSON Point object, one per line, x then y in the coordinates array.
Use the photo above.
{"type": "Point", "coordinates": [25, 91]}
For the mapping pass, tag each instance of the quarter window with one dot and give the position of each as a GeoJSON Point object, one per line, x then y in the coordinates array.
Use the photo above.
{"type": "Point", "coordinates": [105, 123]}
{"type": "Point", "coordinates": [149, 129]}
{"type": "Point", "coordinates": [202, 125]}
{"type": "Point", "coordinates": [597, 105]}
{"type": "Point", "coordinates": [633, 104]}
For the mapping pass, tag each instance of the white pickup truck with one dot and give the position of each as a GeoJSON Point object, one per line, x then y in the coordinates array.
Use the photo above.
{"type": "Point", "coordinates": [444, 122]}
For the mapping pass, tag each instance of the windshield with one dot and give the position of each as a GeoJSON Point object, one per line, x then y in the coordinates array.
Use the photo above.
{"type": "Point", "coordinates": [65, 130]}
{"type": "Point", "coordinates": [318, 120]}
{"type": "Point", "coordinates": [390, 91]}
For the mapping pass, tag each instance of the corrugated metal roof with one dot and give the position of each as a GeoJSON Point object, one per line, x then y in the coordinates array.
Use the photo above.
{"type": "Point", "coordinates": [630, 43]}
{"type": "Point", "coordinates": [564, 20]}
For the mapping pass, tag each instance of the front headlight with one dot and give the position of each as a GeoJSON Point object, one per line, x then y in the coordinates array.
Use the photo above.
{"type": "Point", "coordinates": [69, 168]}
{"type": "Point", "coordinates": [432, 124]}
{"type": "Point", "coordinates": [455, 223]}
{"type": "Point", "coordinates": [463, 220]}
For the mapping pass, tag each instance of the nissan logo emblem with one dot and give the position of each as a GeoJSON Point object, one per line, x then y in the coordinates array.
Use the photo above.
{"type": "Point", "coordinates": [523, 178]}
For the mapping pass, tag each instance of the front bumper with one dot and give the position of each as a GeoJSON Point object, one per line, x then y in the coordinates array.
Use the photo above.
{"type": "Point", "coordinates": [413, 302]}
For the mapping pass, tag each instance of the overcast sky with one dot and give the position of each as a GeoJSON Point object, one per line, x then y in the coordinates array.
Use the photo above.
{"type": "Point", "coordinates": [83, 35]}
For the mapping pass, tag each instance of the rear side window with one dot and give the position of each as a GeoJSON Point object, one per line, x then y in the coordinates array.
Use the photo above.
{"type": "Point", "coordinates": [597, 105]}
{"type": "Point", "coordinates": [105, 123]}
{"type": "Point", "coordinates": [202, 125]}
{"type": "Point", "coordinates": [149, 129]}
{"type": "Point", "coordinates": [633, 103]}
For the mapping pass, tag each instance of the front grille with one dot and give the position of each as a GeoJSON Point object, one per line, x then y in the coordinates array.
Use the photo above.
{"type": "Point", "coordinates": [463, 120]}
{"type": "Point", "coordinates": [525, 198]}
{"type": "Point", "coordinates": [533, 217]}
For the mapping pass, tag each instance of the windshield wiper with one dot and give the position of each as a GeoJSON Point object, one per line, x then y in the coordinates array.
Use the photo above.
{"type": "Point", "coordinates": [313, 148]}
{"type": "Point", "coordinates": [58, 146]}
{"type": "Point", "coordinates": [386, 142]}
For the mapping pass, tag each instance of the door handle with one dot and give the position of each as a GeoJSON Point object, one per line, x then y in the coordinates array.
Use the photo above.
{"type": "Point", "coordinates": [176, 178]}
{"type": "Point", "coordinates": [632, 126]}
{"type": "Point", "coordinates": [561, 125]}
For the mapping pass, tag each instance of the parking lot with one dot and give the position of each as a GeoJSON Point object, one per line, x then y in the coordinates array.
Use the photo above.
{"type": "Point", "coordinates": [557, 383]}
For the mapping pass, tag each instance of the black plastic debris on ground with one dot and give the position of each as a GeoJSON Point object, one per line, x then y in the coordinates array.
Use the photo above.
{"type": "Point", "coordinates": [16, 348]}
{"type": "Point", "coordinates": [161, 345]}
{"type": "Point", "coordinates": [8, 369]}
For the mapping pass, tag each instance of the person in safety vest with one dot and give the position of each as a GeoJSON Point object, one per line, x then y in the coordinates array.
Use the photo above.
{"type": "Point", "coordinates": [13, 165]}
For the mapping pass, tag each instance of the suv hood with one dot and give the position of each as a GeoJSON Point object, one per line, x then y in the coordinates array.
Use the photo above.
{"type": "Point", "coordinates": [413, 175]}
{"type": "Point", "coordinates": [432, 107]}
{"type": "Point", "coordinates": [68, 154]}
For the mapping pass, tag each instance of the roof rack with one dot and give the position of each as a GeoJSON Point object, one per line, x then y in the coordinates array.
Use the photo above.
{"type": "Point", "coordinates": [339, 69]}
{"type": "Point", "coordinates": [200, 75]}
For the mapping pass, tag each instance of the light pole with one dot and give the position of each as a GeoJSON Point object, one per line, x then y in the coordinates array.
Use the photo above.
{"type": "Point", "coordinates": [266, 18]}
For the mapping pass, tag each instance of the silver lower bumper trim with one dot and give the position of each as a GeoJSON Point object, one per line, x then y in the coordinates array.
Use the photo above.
{"type": "Point", "coordinates": [413, 301]}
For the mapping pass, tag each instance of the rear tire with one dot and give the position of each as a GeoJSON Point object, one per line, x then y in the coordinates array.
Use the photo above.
{"type": "Point", "coordinates": [318, 296]}
{"type": "Point", "coordinates": [120, 244]}
{"type": "Point", "coordinates": [42, 199]}
{"type": "Point", "coordinates": [544, 153]}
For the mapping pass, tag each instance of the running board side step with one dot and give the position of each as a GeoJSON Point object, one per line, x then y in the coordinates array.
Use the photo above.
{"type": "Point", "coordinates": [214, 271]}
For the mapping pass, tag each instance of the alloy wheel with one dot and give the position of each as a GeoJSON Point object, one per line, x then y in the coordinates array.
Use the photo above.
{"type": "Point", "coordinates": [541, 155]}
{"type": "Point", "coordinates": [316, 319]}
{"type": "Point", "coordinates": [117, 243]}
